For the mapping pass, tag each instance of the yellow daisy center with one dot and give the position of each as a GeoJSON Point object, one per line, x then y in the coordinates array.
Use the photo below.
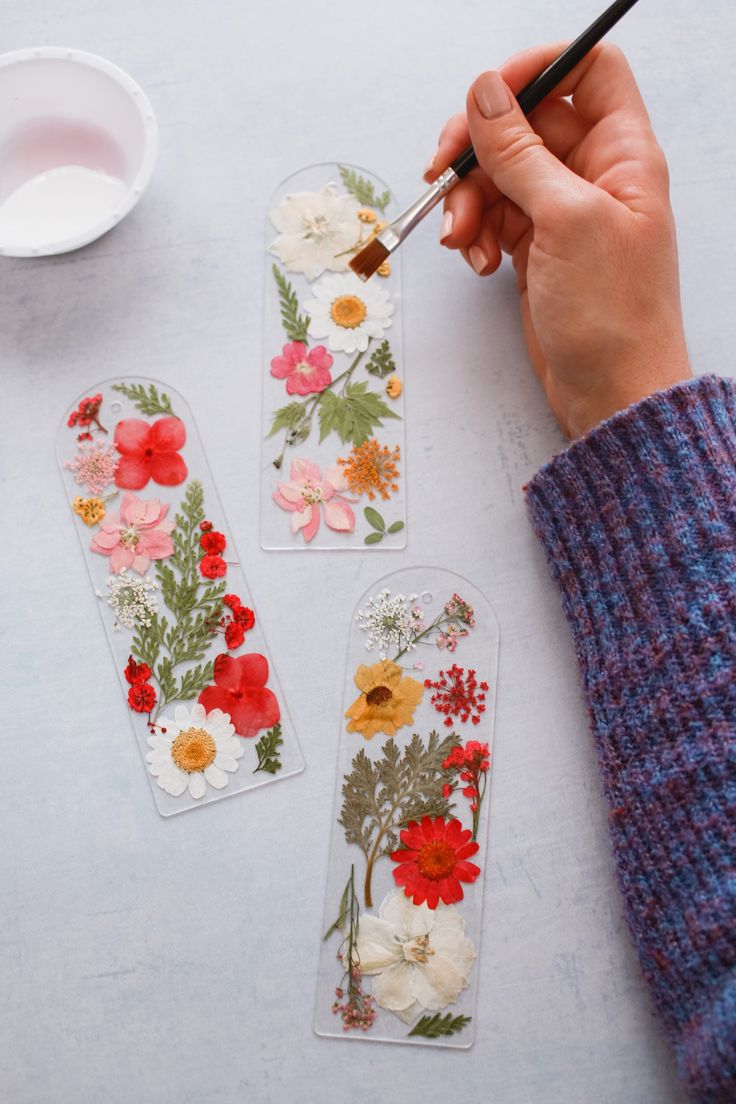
{"type": "Point", "coordinates": [193, 750]}
{"type": "Point", "coordinates": [348, 311]}
{"type": "Point", "coordinates": [379, 695]}
{"type": "Point", "coordinates": [436, 859]}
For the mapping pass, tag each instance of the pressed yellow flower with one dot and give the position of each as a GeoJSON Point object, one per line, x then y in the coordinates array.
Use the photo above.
{"type": "Point", "coordinates": [366, 215]}
{"type": "Point", "coordinates": [371, 468]}
{"type": "Point", "coordinates": [394, 387]}
{"type": "Point", "coordinates": [90, 510]}
{"type": "Point", "coordinates": [384, 269]}
{"type": "Point", "coordinates": [387, 699]}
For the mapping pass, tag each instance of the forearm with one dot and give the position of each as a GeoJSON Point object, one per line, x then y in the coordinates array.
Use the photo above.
{"type": "Point", "coordinates": [638, 521]}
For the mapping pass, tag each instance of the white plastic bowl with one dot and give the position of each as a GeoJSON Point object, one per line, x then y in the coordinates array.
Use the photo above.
{"type": "Point", "coordinates": [70, 116]}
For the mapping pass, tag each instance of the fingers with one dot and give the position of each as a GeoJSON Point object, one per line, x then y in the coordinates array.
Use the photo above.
{"type": "Point", "coordinates": [510, 152]}
{"type": "Point", "coordinates": [484, 254]}
{"type": "Point", "coordinates": [453, 139]}
{"type": "Point", "coordinates": [600, 84]}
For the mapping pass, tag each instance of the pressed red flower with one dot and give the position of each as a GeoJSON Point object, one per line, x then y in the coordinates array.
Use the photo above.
{"type": "Point", "coordinates": [234, 635]}
{"type": "Point", "coordinates": [205, 526]}
{"type": "Point", "coordinates": [433, 861]}
{"type": "Point", "coordinates": [212, 566]}
{"type": "Point", "coordinates": [150, 452]}
{"type": "Point", "coordinates": [240, 690]}
{"type": "Point", "coordinates": [212, 541]}
{"type": "Point", "coordinates": [136, 672]}
{"type": "Point", "coordinates": [244, 617]}
{"type": "Point", "coordinates": [458, 694]}
{"type": "Point", "coordinates": [232, 601]}
{"type": "Point", "coordinates": [142, 697]}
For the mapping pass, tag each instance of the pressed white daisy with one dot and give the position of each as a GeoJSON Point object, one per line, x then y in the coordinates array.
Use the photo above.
{"type": "Point", "coordinates": [198, 748]}
{"type": "Point", "coordinates": [420, 957]}
{"type": "Point", "coordinates": [348, 312]}
{"type": "Point", "coordinates": [317, 231]}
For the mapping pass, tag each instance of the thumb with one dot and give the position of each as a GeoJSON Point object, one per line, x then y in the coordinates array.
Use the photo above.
{"type": "Point", "coordinates": [509, 151]}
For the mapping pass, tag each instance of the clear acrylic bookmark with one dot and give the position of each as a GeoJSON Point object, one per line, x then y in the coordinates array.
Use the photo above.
{"type": "Point", "coordinates": [409, 846]}
{"type": "Point", "coordinates": [197, 677]}
{"type": "Point", "coordinates": [333, 459]}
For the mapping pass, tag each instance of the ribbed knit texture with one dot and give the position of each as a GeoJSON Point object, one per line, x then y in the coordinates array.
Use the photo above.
{"type": "Point", "coordinates": [638, 521]}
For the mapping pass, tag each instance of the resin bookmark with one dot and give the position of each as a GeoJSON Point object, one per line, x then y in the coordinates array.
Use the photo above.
{"type": "Point", "coordinates": [187, 642]}
{"type": "Point", "coordinates": [333, 463]}
{"type": "Point", "coordinates": [403, 914]}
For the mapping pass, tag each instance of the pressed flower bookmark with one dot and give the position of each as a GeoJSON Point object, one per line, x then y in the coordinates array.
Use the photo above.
{"type": "Point", "coordinates": [333, 459]}
{"type": "Point", "coordinates": [204, 699]}
{"type": "Point", "coordinates": [404, 903]}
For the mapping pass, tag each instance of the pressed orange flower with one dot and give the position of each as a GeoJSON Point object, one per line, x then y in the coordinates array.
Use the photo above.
{"type": "Point", "coordinates": [386, 701]}
{"type": "Point", "coordinates": [371, 468]}
{"type": "Point", "coordinates": [90, 510]}
{"type": "Point", "coordinates": [394, 387]}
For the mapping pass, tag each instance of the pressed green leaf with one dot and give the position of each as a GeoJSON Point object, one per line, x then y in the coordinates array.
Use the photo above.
{"type": "Point", "coordinates": [296, 325]}
{"type": "Point", "coordinates": [379, 797]}
{"type": "Point", "coordinates": [287, 417]}
{"type": "Point", "coordinates": [373, 538]}
{"type": "Point", "coordinates": [148, 402]}
{"type": "Point", "coordinates": [354, 416]}
{"type": "Point", "coordinates": [374, 518]}
{"type": "Point", "coordinates": [396, 527]}
{"type": "Point", "coordinates": [267, 750]}
{"type": "Point", "coordinates": [381, 362]}
{"type": "Point", "coordinates": [363, 189]}
{"type": "Point", "coordinates": [433, 1027]}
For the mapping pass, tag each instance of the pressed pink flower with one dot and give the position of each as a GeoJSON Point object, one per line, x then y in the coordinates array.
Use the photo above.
{"type": "Point", "coordinates": [136, 536]}
{"type": "Point", "coordinates": [306, 371]}
{"type": "Point", "coordinates": [94, 465]}
{"type": "Point", "coordinates": [308, 492]}
{"type": "Point", "coordinates": [150, 452]}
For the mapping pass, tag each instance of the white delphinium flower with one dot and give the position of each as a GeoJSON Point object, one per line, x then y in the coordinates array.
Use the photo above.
{"type": "Point", "coordinates": [420, 957]}
{"type": "Point", "coordinates": [316, 231]}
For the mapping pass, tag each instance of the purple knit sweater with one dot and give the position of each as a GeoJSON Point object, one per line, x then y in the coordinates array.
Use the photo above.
{"type": "Point", "coordinates": [638, 521]}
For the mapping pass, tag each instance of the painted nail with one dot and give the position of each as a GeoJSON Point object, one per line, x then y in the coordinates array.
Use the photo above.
{"type": "Point", "coordinates": [446, 225]}
{"type": "Point", "coordinates": [478, 258]}
{"type": "Point", "coordinates": [492, 95]}
{"type": "Point", "coordinates": [429, 169]}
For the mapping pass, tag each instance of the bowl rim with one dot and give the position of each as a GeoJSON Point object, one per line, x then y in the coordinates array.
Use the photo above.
{"type": "Point", "coordinates": [137, 187]}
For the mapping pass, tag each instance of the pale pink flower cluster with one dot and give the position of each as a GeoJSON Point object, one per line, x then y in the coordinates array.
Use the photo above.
{"type": "Point", "coordinates": [94, 465]}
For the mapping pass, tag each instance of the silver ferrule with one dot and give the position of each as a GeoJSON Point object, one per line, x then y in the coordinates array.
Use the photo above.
{"type": "Point", "coordinates": [395, 233]}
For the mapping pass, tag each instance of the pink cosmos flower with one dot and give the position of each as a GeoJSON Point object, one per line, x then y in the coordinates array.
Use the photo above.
{"type": "Point", "coordinates": [307, 491]}
{"type": "Point", "coordinates": [136, 536]}
{"type": "Point", "coordinates": [305, 371]}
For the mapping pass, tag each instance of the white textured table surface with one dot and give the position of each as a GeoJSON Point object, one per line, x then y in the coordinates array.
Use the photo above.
{"type": "Point", "coordinates": [151, 961]}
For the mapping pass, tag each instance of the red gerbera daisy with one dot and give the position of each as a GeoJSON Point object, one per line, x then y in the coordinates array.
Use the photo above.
{"type": "Point", "coordinates": [242, 693]}
{"type": "Point", "coordinates": [150, 452]}
{"type": "Point", "coordinates": [433, 861]}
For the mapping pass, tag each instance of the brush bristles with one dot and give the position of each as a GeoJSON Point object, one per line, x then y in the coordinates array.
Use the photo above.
{"type": "Point", "coordinates": [365, 263]}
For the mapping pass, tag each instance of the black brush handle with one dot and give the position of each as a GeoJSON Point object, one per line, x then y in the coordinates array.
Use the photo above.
{"type": "Point", "coordinates": [546, 81]}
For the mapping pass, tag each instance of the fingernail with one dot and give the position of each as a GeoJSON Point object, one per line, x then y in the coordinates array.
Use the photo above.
{"type": "Point", "coordinates": [492, 95]}
{"type": "Point", "coordinates": [446, 225]}
{"type": "Point", "coordinates": [478, 258]}
{"type": "Point", "coordinates": [429, 170]}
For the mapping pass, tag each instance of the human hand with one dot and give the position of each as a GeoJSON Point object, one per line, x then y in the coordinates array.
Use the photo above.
{"type": "Point", "coordinates": [578, 195]}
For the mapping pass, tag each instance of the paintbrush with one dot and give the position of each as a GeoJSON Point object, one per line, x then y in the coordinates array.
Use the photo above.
{"type": "Point", "coordinates": [365, 263]}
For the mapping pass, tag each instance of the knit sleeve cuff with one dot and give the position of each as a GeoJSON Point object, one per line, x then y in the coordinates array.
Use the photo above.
{"type": "Point", "coordinates": [638, 519]}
